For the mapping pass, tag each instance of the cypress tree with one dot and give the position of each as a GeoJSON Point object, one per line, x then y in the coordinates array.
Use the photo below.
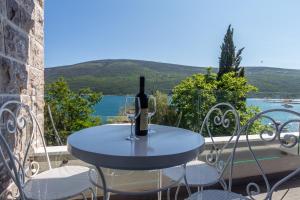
{"type": "Point", "coordinates": [229, 61]}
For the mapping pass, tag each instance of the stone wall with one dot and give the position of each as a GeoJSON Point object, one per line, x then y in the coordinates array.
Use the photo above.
{"type": "Point", "coordinates": [22, 56]}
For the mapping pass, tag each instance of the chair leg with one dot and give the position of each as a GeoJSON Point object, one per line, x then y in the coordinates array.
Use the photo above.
{"type": "Point", "coordinates": [187, 186]}
{"type": "Point", "coordinates": [177, 191]}
{"type": "Point", "coordinates": [94, 196]}
{"type": "Point", "coordinates": [83, 196]}
{"type": "Point", "coordinates": [285, 194]}
{"type": "Point", "coordinates": [159, 184]}
{"type": "Point", "coordinates": [223, 184]}
{"type": "Point", "coordinates": [108, 195]}
{"type": "Point", "coordinates": [200, 189]}
{"type": "Point", "coordinates": [104, 186]}
{"type": "Point", "coordinates": [168, 194]}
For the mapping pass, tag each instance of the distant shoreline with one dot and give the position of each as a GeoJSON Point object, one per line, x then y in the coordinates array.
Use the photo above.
{"type": "Point", "coordinates": [110, 106]}
{"type": "Point", "coordinates": [120, 77]}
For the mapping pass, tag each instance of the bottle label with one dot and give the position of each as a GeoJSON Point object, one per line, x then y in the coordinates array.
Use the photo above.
{"type": "Point", "coordinates": [144, 119]}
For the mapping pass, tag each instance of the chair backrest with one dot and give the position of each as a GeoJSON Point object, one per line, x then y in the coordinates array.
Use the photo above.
{"type": "Point", "coordinates": [19, 128]}
{"type": "Point", "coordinates": [273, 132]}
{"type": "Point", "coordinates": [221, 118]}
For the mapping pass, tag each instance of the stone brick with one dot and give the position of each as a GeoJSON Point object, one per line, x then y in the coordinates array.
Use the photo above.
{"type": "Point", "coordinates": [38, 29]}
{"type": "Point", "coordinates": [28, 5]}
{"type": "Point", "coordinates": [1, 37]}
{"type": "Point", "coordinates": [16, 44]}
{"type": "Point", "coordinates": [13, 77]}
{"type": "Point", "coordinates": [3, 7]}
{"type": "Point", "coordinates": [18, 15]}
{"type": "Point", "coordinates": [4, 178]}
{"type": "Point", "coordinates": [41, 3]}
{"type": "Point", "coordinates": [4, 74]}
{"type": "Point", "coordinates": [26, 21]}
{"type": "Point", "coordinates": [38, 106]}
{"type": "Point", "coordinates": [19, 77]}
{"type": "Point", "coordinates": [36, 82]}
{"type": "Point", "coordinates": [13, 11]}
{"type": "Point", "coordinates": [36, 57]}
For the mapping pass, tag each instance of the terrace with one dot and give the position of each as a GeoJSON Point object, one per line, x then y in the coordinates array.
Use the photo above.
{"type": "Point", "coordinates": [22, 80]}
{"type": "Point", "coordinates": [278, 160]}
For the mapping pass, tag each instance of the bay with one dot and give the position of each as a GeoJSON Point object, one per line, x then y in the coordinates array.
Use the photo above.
{"type": "Point", "coordinates": [111, 105]}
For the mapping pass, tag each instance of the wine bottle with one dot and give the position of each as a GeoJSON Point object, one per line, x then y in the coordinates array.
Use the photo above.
{"type": "Point", "coordinates": [141, 124]}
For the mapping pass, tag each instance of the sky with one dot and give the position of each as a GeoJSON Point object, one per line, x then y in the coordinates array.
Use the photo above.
{"type": "Point", "coordinates": [187, 32]}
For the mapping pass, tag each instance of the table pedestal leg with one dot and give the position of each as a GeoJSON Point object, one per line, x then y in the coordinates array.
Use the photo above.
{"type": "Point", "coordinates": [104, 186]}
{"type": "Point", "coordinates": [159, 184]}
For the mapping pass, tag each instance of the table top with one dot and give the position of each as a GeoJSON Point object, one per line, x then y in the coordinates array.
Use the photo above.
{"type": "Point", "coordinates": [106, 146]}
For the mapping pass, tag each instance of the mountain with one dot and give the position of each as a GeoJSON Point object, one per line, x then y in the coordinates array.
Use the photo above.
{"type": "Point", "coordinates": [121, 76]}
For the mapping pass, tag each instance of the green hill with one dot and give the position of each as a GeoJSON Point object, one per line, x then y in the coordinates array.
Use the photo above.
{"type": "Point", "coordinates": [121, 76]}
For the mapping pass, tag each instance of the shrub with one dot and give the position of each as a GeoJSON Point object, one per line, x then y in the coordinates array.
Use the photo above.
{"type": "Point", "coordinates": [71, 111]}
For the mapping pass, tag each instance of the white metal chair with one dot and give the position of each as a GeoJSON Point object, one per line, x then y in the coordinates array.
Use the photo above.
{"type": "Point", "coordinates": [199, 173]}
{"type": "Point", "coordinates": [270, 134]}
{"type": "Point", "coordinates": [21, 125]}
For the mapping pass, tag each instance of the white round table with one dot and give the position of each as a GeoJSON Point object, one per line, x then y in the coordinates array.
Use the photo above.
{"type": "Point", "coordinates": [106, 146]}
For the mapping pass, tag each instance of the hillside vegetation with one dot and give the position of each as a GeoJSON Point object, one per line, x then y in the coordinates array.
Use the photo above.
{"type": "Point", "coordinates": [121, 77]}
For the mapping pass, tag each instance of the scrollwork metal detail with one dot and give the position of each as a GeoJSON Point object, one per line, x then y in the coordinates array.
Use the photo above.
{"type": "Point", "coordinates": [220, 165]}
{"type": "Point", "coordinates": [226, 117]}
{"type": "Point", "coordinates": [212, 157]}
{"type": "Point", "coordinates": [222, 118]}
{"type": "Point", "coordinates": [16, 117]}
{"type": "Point", "coordinates": [288, 140]}
{"type": "Point", "coordinates": [21, 122]}
{"type": "Point", "coordinates": [15, 121]}
{"type": "Point", "coordinates": [252, 190]}
{"type": "Point", "coordinates": [271, 135]}
{"type": "Point", "coordinates": [33, 169]}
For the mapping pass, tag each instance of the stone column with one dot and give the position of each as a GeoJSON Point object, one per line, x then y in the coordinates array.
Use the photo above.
{"type": "Point", "coordinates": [22, 57]}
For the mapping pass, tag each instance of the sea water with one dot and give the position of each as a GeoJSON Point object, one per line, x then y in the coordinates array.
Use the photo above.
{"type": "Point", "coordinates": [111, 105]}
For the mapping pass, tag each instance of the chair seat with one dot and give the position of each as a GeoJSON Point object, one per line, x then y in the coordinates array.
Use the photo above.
{"type": "Point", "coordinates": [198, 173]}
{"type": "Point", "coordinates": [59, 183]}
{"type": "Point", "coordinates": [216, 195]}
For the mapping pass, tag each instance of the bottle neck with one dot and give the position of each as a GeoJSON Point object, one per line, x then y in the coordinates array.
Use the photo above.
{"type": "Point", "coordinates": [142, 90]}
{"type": "Point", "coordinates": [142, 85]}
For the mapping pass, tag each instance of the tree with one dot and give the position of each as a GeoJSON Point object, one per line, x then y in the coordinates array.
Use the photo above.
{"type": "Point", "coordinates": [71, 111]}
{"type": "Point", "coordinates": [209, 76]}
{"type": "Point", "coordinates": [195, 95]}
{"type": "Point", "coordinates": [234, 90]}
{"type": "Point", "coordinates": [166, 114]}
{"type": "Point", "coordinates": [230, 60]}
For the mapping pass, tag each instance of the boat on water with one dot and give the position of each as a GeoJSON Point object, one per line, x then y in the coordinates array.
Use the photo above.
{"type": "Point", "coordinates": [284, 101]}
{"type": "Point", "coordinates": [278, 123]}
{"type": "Point", "coordinates": [286, 105]}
